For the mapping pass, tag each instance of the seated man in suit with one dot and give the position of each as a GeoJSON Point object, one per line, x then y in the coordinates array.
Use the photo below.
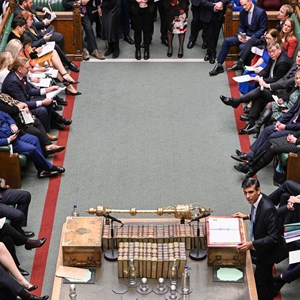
{"type": "Point", "coordinates": [253, 24]}
{"type": "Point", "coordinates": [284, 13]}
{"type": "Point", "coordinates": [18, 87]}
{"type": "Point", "coordinates": [265, 239]}
{"type": "Point", "coordinates": [278, 65]}
{"type": "Point", "coordinates": [27, 145]}
{"type": "Point", "coordinates": [20, 201]}
{"type": "Point", "coordinates": [16, 285]}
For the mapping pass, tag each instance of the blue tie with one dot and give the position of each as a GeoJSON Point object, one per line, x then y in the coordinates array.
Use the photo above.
{"type": "Point", "coordinates": [252, 222]}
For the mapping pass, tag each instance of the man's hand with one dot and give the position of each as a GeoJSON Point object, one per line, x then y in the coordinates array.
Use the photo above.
{"type": "Point", "coordinates": [240, 215]}
{"type": "Point", "coordinates": [291, 139]}
{"type": "Point", "coordinates": [218, 6]}
{"type": "Point", "coordinates": [244, 246]}
{"type": "Point", "coordinates": [84, 2]}
{"type": "Point", "coordinates": [47, 36]}
{"type": "Point", "coordinates": [12, 137]}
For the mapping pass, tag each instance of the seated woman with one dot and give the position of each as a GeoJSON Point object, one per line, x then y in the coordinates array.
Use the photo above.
{"type": "Point", "coordinates": [12, 284]}
{"type": "Point", "coordinates": [5, 61]}
{"type": "Point", "coordinates": [288, 38]}
{"type": "Point", "coordinates": [271, 35]}
{"type": "Point", "coordinates": [10, 237]}
{"type": "Point", "coordinates": [27, 145]}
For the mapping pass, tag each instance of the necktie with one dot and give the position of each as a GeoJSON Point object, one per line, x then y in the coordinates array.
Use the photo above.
{"type": "Point", "coordinates": [253, 212]}
{"type": "Point", "coordinates": [272, 69]}
{"type": "Point", "coordinates": [23, 82]}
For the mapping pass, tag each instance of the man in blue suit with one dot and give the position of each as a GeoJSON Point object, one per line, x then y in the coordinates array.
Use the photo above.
{"type": "Point", "coordinates": [27, 145]}
{"type": "Point", "coordinates": [253, 24]}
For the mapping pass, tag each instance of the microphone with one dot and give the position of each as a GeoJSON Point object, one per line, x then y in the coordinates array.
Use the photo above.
{"type": "Point", "coordinates": [108, 216]}
{"type": "Point", "coordinates": [198, 218]}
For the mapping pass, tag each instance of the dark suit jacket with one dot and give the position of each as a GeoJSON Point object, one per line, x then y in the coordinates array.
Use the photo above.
{"type": "Point", "coordinates": [207, 10]}
{"type": "Point", "coordinates": [14, 88]}
{"type": "Point", "coordinates": [268, 231]}
{"type": "Point", "coordinates": [282, 66]}
{"type": "Point", "coordinates": [258, 24]}
{"type": "Point", "coordinates": [290, 115]}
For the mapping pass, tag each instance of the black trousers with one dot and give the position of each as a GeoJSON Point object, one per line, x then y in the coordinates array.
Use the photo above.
{"type": "Point", "coordinates": [264, 280]}
{"type": "Point", "coordinates": [89, 33]}
{"type": "Point", "coordinates": [196, 25]}
{"type": "Point", "coordinates": [143, 24]}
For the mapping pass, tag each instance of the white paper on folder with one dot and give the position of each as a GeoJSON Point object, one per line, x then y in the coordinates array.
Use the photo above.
{"type": "Point", "coordinates": [48, 47]}
{"type": "Point", "coordinates": [51, 95]}
{"type": "Point", "coordinates": [243, 78]}
{"type": "Point", "coordinates": [294, 257]}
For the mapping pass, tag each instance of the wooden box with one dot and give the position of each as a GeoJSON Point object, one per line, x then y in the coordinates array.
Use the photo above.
{"type": "Point", "coordinates": [224, 252]}
{"type": "Point", "coordinates": [81, 242]}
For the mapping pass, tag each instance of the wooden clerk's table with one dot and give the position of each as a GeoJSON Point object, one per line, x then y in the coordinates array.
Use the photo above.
{"type": "Point", "coordinates": [202, 283]}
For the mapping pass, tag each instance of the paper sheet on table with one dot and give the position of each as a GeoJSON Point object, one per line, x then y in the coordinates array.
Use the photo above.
{"type": "Point", "coordinates": [51, 95]}
{"type": "Point", "coordinates": [70, 272]}
{"type": "Point", "coordinates": [294, 257]}
{"type": "Point", "coordinates": [86, 278]}
{"type": "Point", "coordinates": [243, 78]}
{"type": "Point", "coordinates": [48, 47]}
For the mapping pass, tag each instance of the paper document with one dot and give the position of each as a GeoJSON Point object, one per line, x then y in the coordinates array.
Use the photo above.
{"type": "Point", "coordinates": [257, 51]}
{"type": "Point", "coordinates": [27, 117]}
{"type": "Point", "coordinates": [70, 272]}
{"type": "Point", "coordinates": [2, 221]}
{"type": "Point", "coordinates": [249, 68]}
{"type": "Point", "coordinates": [44, 82]}
{"type": "Point", "coordinates": [276, 100]}
{"type": "Point", "coordinates": [294, 257]}
{"type": "Point", "coordinates": [51, 95]}
{"type": "Point", "coordinates": [243, 78]}
{"type": "Point", "coordinates": [224, 231]}
{"type": "Point", "coordinates": [48, 47]}
{"type": "Point", "coordinates": [52, 72]}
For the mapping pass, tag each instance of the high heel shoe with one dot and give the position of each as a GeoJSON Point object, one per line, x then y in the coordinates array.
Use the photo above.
{"type": "Point", "coordinates": [67, 82]}
{"type": "Point", "coordinates": [170, 51]}
{"type": "Point", "coordinates": [31, 244]}
{"type": "Point", "coordinates": [71, 93]}
{"type": "Point", "coordinates": [32, 288]}
{"type": "Point", "coordinates": [180, 55]}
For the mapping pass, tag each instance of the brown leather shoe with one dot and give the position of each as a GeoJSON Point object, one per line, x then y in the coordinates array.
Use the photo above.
{"type": "Point", "coordinates": [98, 54]}
{"type": "Point", "coordinates": [52, 137]}
{"type": "Point", "coordinates": [51, 149]}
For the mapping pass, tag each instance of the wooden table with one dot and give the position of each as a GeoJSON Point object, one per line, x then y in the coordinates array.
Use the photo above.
{"type": "Point", "coordinates": [201, 281]}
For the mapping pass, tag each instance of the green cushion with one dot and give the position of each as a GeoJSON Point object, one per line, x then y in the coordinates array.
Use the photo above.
{"type": "Point", "coordinates": [6, 33]}
{"type": "Point", "coordinates": [57, 6]}
{"type": "Point", "coordinates": [283, 158]}
{"type": "Point", "coordinates": [297, 33]}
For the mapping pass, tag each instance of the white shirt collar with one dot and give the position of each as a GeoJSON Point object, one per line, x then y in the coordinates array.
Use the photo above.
{"type": "Point", "coordinates": [257, 202]}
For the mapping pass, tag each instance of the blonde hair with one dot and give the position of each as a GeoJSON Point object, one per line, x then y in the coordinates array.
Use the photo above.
{"type": "Point", "coordinates": [6, 60]}
{"type": "Point", "coordinates": [18, 62]}
{"type": "Point", "coordinates": [14, 46]}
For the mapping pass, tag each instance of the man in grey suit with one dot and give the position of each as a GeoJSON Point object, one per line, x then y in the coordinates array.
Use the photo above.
{"type": "Point", "coordinates": [266, 242]}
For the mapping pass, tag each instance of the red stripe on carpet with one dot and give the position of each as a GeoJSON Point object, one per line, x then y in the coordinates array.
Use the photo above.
{"type": "Point", "coordinates": [244, 138]}
{"type": "Point", "coordinates": [41, 254]}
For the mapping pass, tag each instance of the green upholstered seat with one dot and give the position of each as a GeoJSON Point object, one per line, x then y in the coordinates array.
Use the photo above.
{"type": "Point", "coordinates": [57, 6]}
{"type": "Point", "coordinates": [6, 33]}
{"type": "Point", "coordinates": [297, 33]}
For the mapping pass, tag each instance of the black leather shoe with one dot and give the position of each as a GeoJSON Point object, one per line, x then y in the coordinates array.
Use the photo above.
{"type": "Point", "coordinates": [59, 126]}
{"type": "Point", "coordinates": [216, 70]}
{"type": "Point", "coordinates": [165, 42]}
{"type": "Point", "coordinates": [61, 101]}
{"type": "Point", "coordinates": [246, 109]}
{"type": "Point", "coordinates": [28, 234]}
{"type": "Point", "coordinates": [244, 117]}
{"type": "Point", "coordinates": [255, 129]}
{"type": "Point", "coordinates": [60, 170]}
{"type": "Point", "coordinates": [34, 297]}
{"type": "Point", "coordinates": [190, 44]}
{"type": "Point", "coordinates": [236, 67]}
{"type": "Point", "coordinates": [73, 67]}
{"type": "Point", "coordinates": [250, 173]}
{"type": "Point", "coordinates": [129, 40]}
{"type": "Point", "coordinates": [31, 244]}
{"type": "Point", "coordinates": [229, 101]}
{"type": "Point", "coordinates": [206, 57]}
{"type": "Point", "coordinates": [146, 54]}
{"type": "Point", "coordinates": [242, 158]}
{"type": "Point", "coordinates": [243, 168]}
{"type": "Point", "coordinates": [109, 51]}
{"type": "Point", "coordinates": [245, 129]}
{"type": "Point", "coordinates": [65, 121]}
{"type": "Point", "coordinates": [204, 45]}
{"type": "Point", "coordinates": [212, 60]}
{"type": "Point", "coordinates": [116, 53]}
{"type": "Point", "coordinates": [239, 153]}
{"type": "Point", "coordinates": [138, 55]}
{"type": "Point", "coordinates": [57, 107]}
{"type": "Point", "coordinates": [45, 173]}
{"type": "Point", "coordinates": [32, 288]}
{"type": "Point", "coordinates": [180, 55]}
{"type": "Point", "coordinates": [23, 272]}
